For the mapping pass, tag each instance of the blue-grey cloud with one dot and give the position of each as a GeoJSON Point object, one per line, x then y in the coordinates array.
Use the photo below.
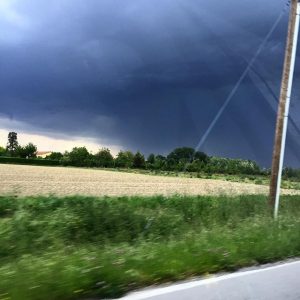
{"type": "Point", "coordinates": [146, 74]}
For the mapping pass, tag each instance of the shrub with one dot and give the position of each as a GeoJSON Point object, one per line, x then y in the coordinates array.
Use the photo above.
{"type": "Point", "coordinates": [55, 156]}
{"type": "Point", "coordinates": [3, 151]}
{"type": "Point", "coordinates": [28, 161]}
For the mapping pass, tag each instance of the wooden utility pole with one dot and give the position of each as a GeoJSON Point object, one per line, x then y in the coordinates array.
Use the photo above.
{"type": "Point", "coordinates": [284, 104]}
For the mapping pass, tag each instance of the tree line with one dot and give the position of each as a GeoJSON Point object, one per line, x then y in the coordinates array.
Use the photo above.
{"type": "Point", "coordinates": [180, 160]}
{"type": "Point", "coordinates": [183, 159]}
{"type": "Point", "coordinates": [14, 149]}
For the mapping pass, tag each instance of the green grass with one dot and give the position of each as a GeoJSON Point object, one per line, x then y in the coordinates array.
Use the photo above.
{"type": "Point", "coordinates": [291, 183]}
{"type": "Point", "coordinates": [80, 247]}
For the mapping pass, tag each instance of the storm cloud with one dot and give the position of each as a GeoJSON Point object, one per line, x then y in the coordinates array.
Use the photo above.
{"type": "Point", "coordinates": [149, 75]}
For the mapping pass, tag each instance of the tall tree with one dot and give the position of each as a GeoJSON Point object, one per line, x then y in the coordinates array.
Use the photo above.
{"type": "Point", "coordinates": [151, 159]}
{"type": "Point", "coordinates": [12, 143]}
{"type": "Point", "coordinates": [124, 159]}
{"type": "Point", "coordinates": [104, 158]}
{"type": "Point", "coordinates": [78, 156]}
{"type": "Point", "coordinates": [201, 156]}
{"type": "Point", "coordinates": [182, 154]}
{"type": "Point", "coordinates": [139, 161]}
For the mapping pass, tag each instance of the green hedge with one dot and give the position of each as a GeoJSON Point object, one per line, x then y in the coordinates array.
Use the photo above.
{"type": "Point", "coordinates": [29, 161]}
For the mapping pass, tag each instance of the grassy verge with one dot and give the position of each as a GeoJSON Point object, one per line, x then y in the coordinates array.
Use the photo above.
{"type": "Point", "coordinates": [78, 247]}
{"type": "Point", "coordinates": [242, 178]}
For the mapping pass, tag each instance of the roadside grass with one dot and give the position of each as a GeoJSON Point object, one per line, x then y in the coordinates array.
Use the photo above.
{"type": "Point", "coordinates": [80, 247]}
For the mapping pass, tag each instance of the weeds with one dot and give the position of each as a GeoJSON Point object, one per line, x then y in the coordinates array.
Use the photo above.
{"type": "Point", "coordinates": [76, 247]}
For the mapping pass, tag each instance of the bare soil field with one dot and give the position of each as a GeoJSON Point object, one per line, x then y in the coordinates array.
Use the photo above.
{"type": "Point", "coordinates": [35, 180]}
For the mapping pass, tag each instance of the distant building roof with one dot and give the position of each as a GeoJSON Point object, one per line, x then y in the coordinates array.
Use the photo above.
{"type": "Point", "coordinates": [43, 152]}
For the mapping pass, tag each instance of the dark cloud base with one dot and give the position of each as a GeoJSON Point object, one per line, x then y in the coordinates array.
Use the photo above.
{"type": "Point", "coordinates": [148, 75]}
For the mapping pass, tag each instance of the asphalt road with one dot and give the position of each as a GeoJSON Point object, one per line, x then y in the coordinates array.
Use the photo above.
{"type": "Point", "coordinates": [276, 282]}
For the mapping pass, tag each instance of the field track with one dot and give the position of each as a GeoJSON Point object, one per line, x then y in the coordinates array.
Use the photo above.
{"type": "Point", "coordinates": [35, 180]}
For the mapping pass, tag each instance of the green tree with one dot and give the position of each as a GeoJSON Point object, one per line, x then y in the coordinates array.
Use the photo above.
{"type": "Point", "coordinates": [160, 162]}
{"type": "Point", "coordinates": [2, 151]}
{"type": "Point", "coordinates": [12, 143]}
{"type": "Point", "coordinates": [195, 166]}
{"type": "Point", "coordinates": [124, 159]}
{"type": "Point", "coordinates": [233, 166]}
{"type": "Point", "coordinates": [65, 160]}
{"type": "Point", "coordinates": [201, 157]}
{"type": "Point", "coordinates": [28, 151]}
{"type": "Point", "coordinates": [20, 152]}
{"type": "Point", "coordinates": [184, 154]}
{"type": "Point", "coordinates": [104, 158]}
{"type": "Point", "coordinates": [150, 162]}
{"type": "Point", "coordinates": [55, 156]}
{"type": "Point", "coordinates": [151, 159]}
{"type": "Point", "coordinates": [139, 161]}
{"type": "Point", "coordinates": [79, 156]}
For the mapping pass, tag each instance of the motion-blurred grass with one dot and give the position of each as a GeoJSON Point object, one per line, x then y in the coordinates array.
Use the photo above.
{"type": "Point", "coordinates": [78, 247]}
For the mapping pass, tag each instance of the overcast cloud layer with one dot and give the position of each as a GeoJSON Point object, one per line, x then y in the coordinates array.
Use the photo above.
{"type": "Point", "coordinates": [146, 74]}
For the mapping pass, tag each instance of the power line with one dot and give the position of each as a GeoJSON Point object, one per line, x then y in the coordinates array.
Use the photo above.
{"type": "Point", "coordinates": [242, 77]}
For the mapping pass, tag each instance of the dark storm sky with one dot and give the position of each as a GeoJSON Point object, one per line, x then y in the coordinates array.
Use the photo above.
{"type": "Point", "coordinates": [146, 74]}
